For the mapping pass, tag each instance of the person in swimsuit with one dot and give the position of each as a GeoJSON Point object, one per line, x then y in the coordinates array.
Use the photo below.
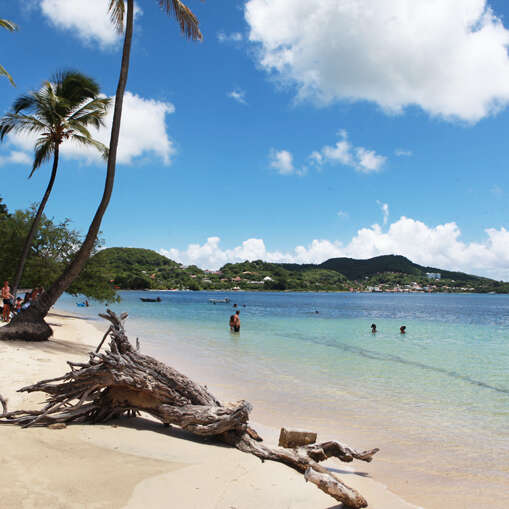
{"type": "Point", "coordinates": [402, 329]}
{"type": "Point", "coordinates": [232, 323]}
{"type": "Point", "coordinates": [6, 299]}
{"type": "Point", "coordinates": [373, 328]}
{"type": "Point", "coordinates": [236, 321]}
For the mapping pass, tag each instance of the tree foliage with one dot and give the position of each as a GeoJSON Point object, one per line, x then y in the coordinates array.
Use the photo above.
{"type": "Point", "coordinates": [62, 109]}
{"type": "Point", "coordinates": [53, 246]}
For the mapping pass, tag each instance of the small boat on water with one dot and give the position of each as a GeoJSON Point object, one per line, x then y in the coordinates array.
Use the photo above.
{"type": "Point", "coordinates": [226, 300]}
{"type": "Point", "coordinates": [150, 300]}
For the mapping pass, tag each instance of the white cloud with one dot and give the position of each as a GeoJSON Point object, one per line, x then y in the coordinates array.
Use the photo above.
{"type": "Point", "coordinates": [15, 157]}
{"type": "Point", "coordinates": [342, 213]}
{"type": "Point", "coordinates": [281, 161]}
{"type": "Point", "coordinates": [343, 152]}
{"type": "Point", "coordinates": [436, 246]}
{"type": "Point", "coordinates": [384, 207]}
{"type": "Point", "coordinates": [448, 57]}
{"type": "Point", "coordinates": [369, 160]}
{"type": "Point", "coordinates": [238, 95]}
{"type": "Point", "coordinates": [401, 152]}
{"type": "Point", "coordinates": [90, 22]}
{"type": "Point", "coordinates": [339, 153]}
{"type": "Point", "coordinates": [143, 132]}
{"type": "Point", "coordinates": [233, 37]}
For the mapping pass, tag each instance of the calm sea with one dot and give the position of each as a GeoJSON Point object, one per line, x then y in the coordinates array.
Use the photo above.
{"type": "Point", "coordinates": [438, 394]}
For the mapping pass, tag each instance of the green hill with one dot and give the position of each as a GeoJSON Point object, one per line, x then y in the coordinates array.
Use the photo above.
{"type": "Point", "coordinates": [359, 269]}
{"type": "Point", "coordinates": [133, 268]}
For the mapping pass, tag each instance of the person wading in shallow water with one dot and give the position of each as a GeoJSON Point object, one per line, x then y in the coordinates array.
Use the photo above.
{"type": "Point", "coordinates": [236, 322]}
{"type": "Point", "coordinates": [6, 299]}
{"type": "Point", "coordinates": [373, 328]}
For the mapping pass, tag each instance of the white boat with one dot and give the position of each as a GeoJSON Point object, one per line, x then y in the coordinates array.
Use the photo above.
{"type": "Point", "coordinates": [226, 300]}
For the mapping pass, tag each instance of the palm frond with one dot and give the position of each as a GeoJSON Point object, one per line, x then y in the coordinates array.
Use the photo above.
{"type": "Point", "coordinates": [117, 13]}
{"type": "Point", "coordinates": [3, 72]}
{"type": "Point", "coordinates": [97, 107]}
{"type": "Point", "coordinates": [21, 123]}
{"type": "Point", "coordinates": [59, 110]}
{"type": "Point", "coordinates": [24, 102]}
{"type": "Point", "coordinates": [80, 128]}
{"type": "Point", "coordinates": [75, 86]}
{"type": "Point", "coordinates": [93, 118]}
{"type": "Point", "coordinates": [87, 141]}
{"type": "Point", "coordinates": [189, 24]}
{"type": "Point", "coordinates": [44, 149]}
{"type": "Point", "coordinates": [8, 25]}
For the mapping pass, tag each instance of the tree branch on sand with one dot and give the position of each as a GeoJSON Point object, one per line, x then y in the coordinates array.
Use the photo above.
{"type": "Point", "coordinates": [123, 382]}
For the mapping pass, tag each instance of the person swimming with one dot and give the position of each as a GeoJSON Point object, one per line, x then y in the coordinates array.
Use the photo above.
{"type": "Point", "coordinates": [402, 329]}
{"type": "Point", "coordinates": [373, 328]}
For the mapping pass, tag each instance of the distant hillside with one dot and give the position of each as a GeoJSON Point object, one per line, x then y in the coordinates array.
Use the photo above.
{"type": "Point", "coordinates": [358, 269]}
{"type": "Point", "coordinates": [129, 267]}
{"type": "Point", "coordinates": [133, 268]}
{"type": "Point", "coordinates": [123, 259]}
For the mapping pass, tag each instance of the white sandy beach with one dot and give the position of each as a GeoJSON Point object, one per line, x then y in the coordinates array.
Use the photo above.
{"type": "Point", "coordinates": [137, 462]}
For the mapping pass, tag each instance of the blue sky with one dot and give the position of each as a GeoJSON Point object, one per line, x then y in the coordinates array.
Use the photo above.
{"type": "Point", "coordinates": [297, 130]}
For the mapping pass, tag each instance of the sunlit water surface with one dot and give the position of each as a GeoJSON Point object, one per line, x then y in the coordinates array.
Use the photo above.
{"type": "Point", "coordinates": [439, 392]}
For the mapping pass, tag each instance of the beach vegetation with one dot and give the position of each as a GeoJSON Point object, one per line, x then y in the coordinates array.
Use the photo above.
{"type": "Point", "coordinates": [52, 248]}
{"type": "Point", "coordinates": [61, 111]}
{"type": "Point", "coordinates": [3, 209]}
{"type": "Point", "coordinates": [30, 324]}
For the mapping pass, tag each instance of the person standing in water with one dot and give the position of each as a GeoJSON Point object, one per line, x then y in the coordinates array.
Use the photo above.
{"type": "Point", "coordinates": [236, 321]}
{"type": "Point", "coordinates": [373, 328]}
{"type": "Point", "coordinates": [402, 329]}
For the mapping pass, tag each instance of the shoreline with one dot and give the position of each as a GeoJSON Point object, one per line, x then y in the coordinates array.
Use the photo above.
{"type": "Point", "coordinates": [137, 463]}
{"type": "Point", "coordinates": [420, 462]}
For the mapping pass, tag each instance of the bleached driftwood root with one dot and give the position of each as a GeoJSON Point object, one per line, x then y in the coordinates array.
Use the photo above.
{"type": "Point", "coordinates": [3, 402]}
{"type": "Point", "coordinates": [121, 381]}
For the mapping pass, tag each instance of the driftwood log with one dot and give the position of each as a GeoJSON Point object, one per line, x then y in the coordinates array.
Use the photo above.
{"type": "Point", "coordinates": [122, 381]}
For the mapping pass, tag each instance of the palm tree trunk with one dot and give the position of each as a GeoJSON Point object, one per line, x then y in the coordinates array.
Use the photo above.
{"type": "Point", "coordinates": [30, 324]}
{"type": "Point", "coordinates": [35, 224]}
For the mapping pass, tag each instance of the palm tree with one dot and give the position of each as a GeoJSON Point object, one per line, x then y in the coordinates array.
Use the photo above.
{"type": "Point", "coordinates": [8, 25]}
{"type": "Point", "coordinates": [30, 323]}
{"type": "Point", "coordinates": [61, 110]}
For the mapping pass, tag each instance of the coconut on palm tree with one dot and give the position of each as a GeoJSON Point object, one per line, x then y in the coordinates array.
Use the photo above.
{"type": "Point", "coordinates": [8, 25]}
{"type": "Point", "coordinates": [61, 111]}
{"type": "Point", "coordinates": [30, 324]}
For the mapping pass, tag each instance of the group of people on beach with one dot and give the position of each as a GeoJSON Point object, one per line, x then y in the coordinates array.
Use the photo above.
{"type": "Point", "coordinates": [12, 305]}
{"type": "Point", "coordinates": [402, 329]}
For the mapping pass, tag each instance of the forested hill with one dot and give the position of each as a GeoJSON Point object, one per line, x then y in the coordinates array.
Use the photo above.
{"type": "Point", "coordinates": [360, 269]}
{"type": "Point", "coordinates": [132, 268]}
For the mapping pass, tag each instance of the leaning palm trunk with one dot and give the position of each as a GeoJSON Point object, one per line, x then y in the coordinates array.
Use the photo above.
{"type": "Point", "coordinates": [29, 324]}
{"type": "Point", "coordinates": [35, 225]}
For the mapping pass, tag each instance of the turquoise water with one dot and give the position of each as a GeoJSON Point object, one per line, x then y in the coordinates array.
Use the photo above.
{"type": "Point", "coordinates": [445, 382]}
